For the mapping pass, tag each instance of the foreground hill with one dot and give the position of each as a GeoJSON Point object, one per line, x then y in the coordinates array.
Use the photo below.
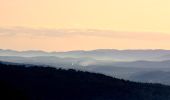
{"type": "Point", "coordinates": [20, 82]}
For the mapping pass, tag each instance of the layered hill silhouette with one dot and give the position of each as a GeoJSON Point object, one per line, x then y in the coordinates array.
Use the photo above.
{"type": "Point", "coordinates": [22, 82]}
{"type": "Point", "coordinates": [152, 77]}
{"type": "Point", "coordinates": [99, 54]}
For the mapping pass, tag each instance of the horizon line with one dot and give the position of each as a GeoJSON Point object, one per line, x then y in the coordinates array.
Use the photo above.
{"type": "Point", "coordinates": [38, 50]}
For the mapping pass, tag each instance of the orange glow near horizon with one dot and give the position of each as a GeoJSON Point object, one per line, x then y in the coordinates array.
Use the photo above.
{"type": "Point", "coordinates": [128, 24]}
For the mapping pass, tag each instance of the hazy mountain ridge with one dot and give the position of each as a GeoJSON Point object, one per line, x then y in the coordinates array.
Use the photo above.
{"type": "Point", "coordinates": [152, 77]}
{"type": "Point", "coordinates": [101, 61]}
{"type": "Point", "coordinates": [50, 60]}
{"type": "Point", "coordinates": [100, 54]}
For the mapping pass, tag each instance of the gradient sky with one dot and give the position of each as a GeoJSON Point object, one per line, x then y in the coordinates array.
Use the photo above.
{"type": "Point", "coordinates": [61, 25]}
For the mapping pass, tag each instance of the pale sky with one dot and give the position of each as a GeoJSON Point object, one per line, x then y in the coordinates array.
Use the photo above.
{"type": "Point", "coordinates": [61, 25]}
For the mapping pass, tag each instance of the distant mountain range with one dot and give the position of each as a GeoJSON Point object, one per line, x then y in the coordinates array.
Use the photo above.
{"type": "Point", "coordinates": [100, 54]}
{"type": "Point", "coordinates": [127, 64]}
{"type": "Point", "coordinates": [152, 77]}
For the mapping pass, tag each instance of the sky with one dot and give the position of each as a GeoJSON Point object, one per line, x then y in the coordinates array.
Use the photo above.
{"type": "Point", "coordinates": [64, 25]}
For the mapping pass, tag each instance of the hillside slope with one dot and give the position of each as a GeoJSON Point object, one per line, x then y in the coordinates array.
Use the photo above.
{"type": "Point", "coordinates": [18, 82]}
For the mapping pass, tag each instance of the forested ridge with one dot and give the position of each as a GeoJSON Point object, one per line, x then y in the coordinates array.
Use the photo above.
{"type": "Point", "coordinates": [22, 82]}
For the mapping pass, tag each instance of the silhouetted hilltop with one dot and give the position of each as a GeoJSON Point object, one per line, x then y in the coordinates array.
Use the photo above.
{"type": "Point", "coordinates": [21, 82]}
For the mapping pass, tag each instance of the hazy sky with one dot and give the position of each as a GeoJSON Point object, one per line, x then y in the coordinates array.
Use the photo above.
{"type": "Point", "coordinates": [57, 25]}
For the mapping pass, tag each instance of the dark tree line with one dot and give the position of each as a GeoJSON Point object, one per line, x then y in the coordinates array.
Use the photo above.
{"type": "Point", "coordinates": [19, 82]}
